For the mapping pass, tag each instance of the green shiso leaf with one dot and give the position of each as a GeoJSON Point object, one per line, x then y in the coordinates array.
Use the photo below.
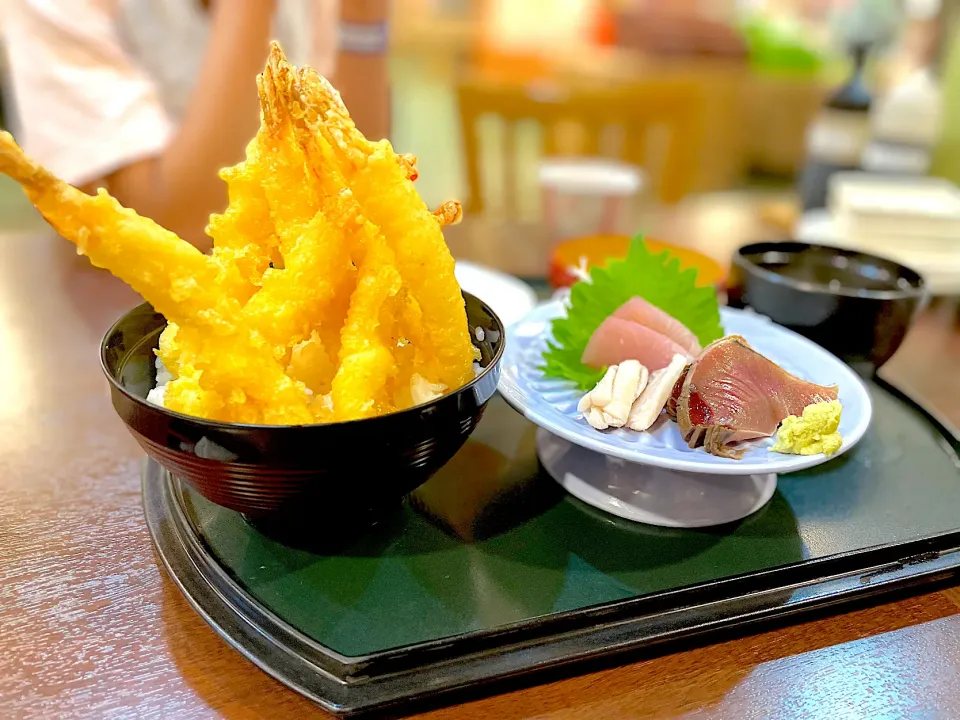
{"type": "Point", "coordinates": [657, 279]}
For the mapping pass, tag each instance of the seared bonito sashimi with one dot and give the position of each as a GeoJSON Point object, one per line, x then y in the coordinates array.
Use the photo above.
{"type": "Point", "coordinates": [732, 393]}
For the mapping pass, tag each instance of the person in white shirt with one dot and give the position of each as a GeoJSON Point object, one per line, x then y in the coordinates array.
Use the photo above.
{"type": "Point", "coordinates": [150, 98]}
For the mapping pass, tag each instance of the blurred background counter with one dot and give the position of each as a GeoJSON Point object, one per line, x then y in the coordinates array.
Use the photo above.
{"type": "Point", "coordinates": [707, 98]}
{"type": "Point", "coordinates": [757, 116]}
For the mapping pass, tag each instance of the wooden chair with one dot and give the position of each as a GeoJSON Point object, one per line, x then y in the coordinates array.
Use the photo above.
{"type": "Point", "coordinates": [619, 122]}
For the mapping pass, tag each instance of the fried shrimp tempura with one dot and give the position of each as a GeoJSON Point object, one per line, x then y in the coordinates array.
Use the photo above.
{"type": "Point", "coordinates": [285, 308]}
{"type": "Point", "coordinates": [329, 294]}
{"type": "Point", "coordinates": [180, 282]}
{"type": "Point", "coordinates": [366, 364]}
{"type": "Point", "coordinates": [293, 200]}
{"type": "Point", "coordinates": [390, 202]}
{"type": "Point", "coordinates": [244, 234]}
{"type": "Point", "coordinates": [388, 321]}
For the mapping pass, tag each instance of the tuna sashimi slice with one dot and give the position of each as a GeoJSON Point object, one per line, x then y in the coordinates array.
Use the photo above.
{"type": "Point", "coordinates": [732, 393]}
{"type": "Point", "coordinates": [640, 311]}
{"type": "Point", "coordinates": [617, 340]}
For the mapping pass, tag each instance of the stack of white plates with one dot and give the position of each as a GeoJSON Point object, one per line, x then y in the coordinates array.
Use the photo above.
{"type": "Point", "coordinates": [913, 220]}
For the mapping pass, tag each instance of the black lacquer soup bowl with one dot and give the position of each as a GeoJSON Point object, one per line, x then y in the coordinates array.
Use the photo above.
{"type": "Point", "coordinates": [857, 306]}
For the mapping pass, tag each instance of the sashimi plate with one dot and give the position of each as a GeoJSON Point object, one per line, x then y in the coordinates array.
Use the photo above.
{"type": "Point", "coordinates": [652, 495]}
{"type": "Point", "coordinates": [552, 403]}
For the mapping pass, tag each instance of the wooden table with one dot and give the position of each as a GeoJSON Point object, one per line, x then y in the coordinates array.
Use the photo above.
{"type": "Point", "coordinates": [91, 627]}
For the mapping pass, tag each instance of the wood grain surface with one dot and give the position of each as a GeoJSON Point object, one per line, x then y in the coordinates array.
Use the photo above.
{"type": "Point", "coordinates": [91, 627]}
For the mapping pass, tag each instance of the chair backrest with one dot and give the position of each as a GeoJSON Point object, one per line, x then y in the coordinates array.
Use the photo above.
{"type": "Point", "coordinates": [657, 124]}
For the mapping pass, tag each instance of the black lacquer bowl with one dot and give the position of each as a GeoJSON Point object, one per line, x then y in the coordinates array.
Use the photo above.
{"type": "Point", "coordinates": [857, 306]}
{"type": "Point", "coordinates": [331, 474]}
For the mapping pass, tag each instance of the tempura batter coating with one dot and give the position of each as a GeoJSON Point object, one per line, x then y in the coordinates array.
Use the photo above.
{"type": "Point", "coordinates": [390, 201]}
{"type": "Point", "coordinates": [366, 363]}
{"type": "Point", "coordinates": [244, 234]}
{"type": "Point", "coordinates": [285, 309]}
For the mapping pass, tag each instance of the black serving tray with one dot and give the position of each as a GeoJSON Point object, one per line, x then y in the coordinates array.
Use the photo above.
{"type": "Point", "coordinates": [490, 571]}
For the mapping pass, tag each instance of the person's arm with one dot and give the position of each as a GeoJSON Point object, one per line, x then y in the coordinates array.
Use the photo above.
{"type": "Point", "coordinates": [180, 187]}
{"type": "Point", "coordinates": [91, 114]}
{"type": "Point", "coordinates": [362, 77]}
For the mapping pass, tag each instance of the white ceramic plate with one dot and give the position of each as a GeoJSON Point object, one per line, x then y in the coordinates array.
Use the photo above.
{"type": "Point", "coordinates": [552, 403]}
{"type": "Point", "coordinates": [652, 495]}
{"type": "Point", "coordinates": [509, 297]}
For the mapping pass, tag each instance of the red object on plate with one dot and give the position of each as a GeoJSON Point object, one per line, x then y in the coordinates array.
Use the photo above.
{"type": "Point", "coordinates": [600, 249]}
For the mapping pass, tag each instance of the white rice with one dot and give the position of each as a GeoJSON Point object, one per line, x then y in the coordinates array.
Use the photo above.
{"type": "Point", "coordinates": [156, 396]}
{"type": "Point", "coordinates": [209, 450]}
{"type": "Point", "coordinates": [205, 447]}
{"type": "Point", "coordinates": [163, 375]}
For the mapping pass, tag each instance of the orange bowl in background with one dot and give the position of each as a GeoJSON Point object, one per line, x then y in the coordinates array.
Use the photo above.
{"type": "Point", "coordinates": [600, 249]}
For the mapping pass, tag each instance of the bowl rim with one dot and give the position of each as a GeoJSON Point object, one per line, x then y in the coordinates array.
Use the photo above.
{"type": "Point", "coordinates": [740, 259]}
{"type": "Point", "coordinates": [223, 425]}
